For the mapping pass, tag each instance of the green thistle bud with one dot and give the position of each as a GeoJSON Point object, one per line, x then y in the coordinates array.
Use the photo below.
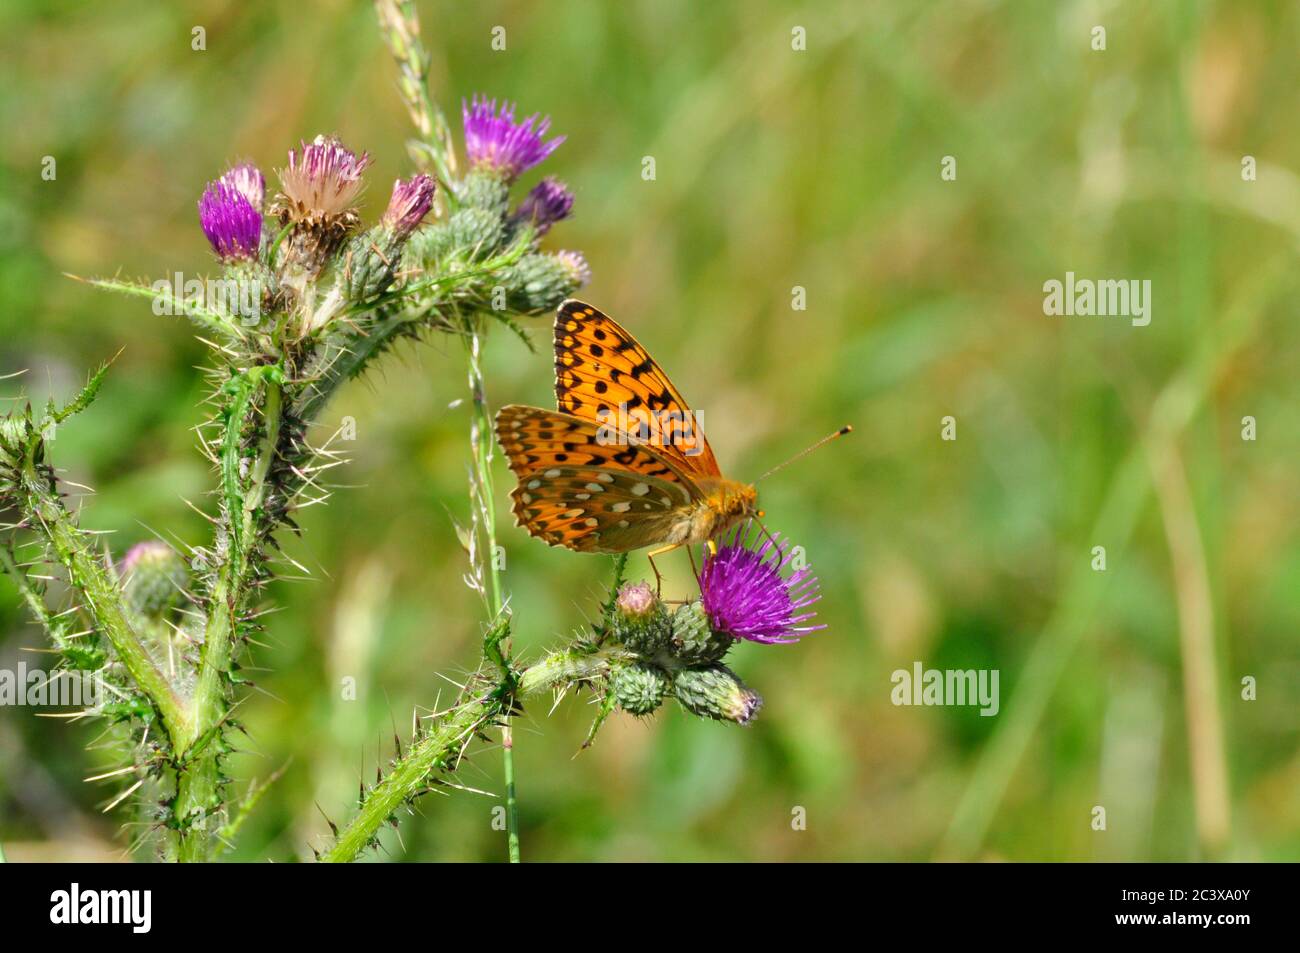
{"type": "Point", "coordinates": [541, 282]}
{"type": "Point", "coordinates": [369, 262]}
{"type": "Point", "coordinates": [429, 245]}
{"type": "Point", "coordinates": [153, 578]}
{"type": "Point", "coordinates": [485, 191]}
{"type": "Point", "coordinates": [250, 291]}
{"type": "Point", "coordinates": [694, 640]}
{"type": "Point", "coordinates": [476, 232]}
{"type": "Point", "coordinates": [640, 620]}
{"type": "Point", "coordinates": [715, 691]}
{"type": "Point", "coordinates": [639, 688]}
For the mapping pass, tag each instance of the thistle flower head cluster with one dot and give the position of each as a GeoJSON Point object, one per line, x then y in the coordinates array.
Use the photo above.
{"type": "Point", "coordinates": [746, 592]}
{"type": "Point", "coordinates": [482, 226]}
{"type": "Point", "coordinates": [317, 261]}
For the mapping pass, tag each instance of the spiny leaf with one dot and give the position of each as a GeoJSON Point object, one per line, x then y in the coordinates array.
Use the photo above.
{"type": "Point", "coordinates": [85, 397]}
{"type": "Point", "coordinates": [206, 318]}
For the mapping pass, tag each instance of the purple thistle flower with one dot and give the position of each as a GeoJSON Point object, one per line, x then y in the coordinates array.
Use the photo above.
{"type": "Point", "coordinates": [549, 201]}
{"type": "Point", "coordinates": [247, 180]}
{"type": "Point", "coordinates": [323, 177]}
{"type": "Point", "coordinates": [494, 139]}
{"type": "Point", "coordinates": [746, 595]}
{"type": "Point", "coordinates": [410, 202]}
{"type": "Point", "coordinates": [232, 224]}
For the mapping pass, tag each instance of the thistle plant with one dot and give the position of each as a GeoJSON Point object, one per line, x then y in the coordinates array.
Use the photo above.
{"type": "Point", "coordinates": [315, 298]}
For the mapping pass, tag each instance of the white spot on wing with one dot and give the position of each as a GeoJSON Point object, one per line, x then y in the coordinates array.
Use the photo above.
{"type": "Point", "coordinates": [641, 489]}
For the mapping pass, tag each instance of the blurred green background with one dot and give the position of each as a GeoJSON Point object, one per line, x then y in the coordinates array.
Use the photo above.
{"type": "Point", "coordinates": [775, 168]}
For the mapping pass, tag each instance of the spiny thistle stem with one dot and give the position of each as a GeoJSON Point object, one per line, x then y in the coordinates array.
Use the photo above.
{"type": "Point", "coordinates": [436, 750]}
{"type": "Point", "coordinates": [442, 746]}
{"type": "Point", "coordinates": [32, 597]}
{"type": "Point", "coordinates": [198, 780]}
{"type": "Point", "coordinates": [481, 497]}
{"type": "Point", "coordinates": [103, 598]}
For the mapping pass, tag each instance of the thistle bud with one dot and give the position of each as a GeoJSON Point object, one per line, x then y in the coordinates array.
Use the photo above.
{"type": "Point", "coordinates": [694, 640]}
{"type": "Point", "coordinates": [476, 231]}
{"type": "Point", "coordinates": [541, 282]}
{"type": "Point", "coordinates": [230, 221]}
{"type": "Point", "coordinates": [370, 260]}
{"type": "Point", "coordinates": [153, 578]}
{"type": "Point", "coordinates": [248, 181]}
{"type": "Point", "coordinates": [550, 201]}
{"type": "Point", "coordinates": [640, 621]}
{"type": "Point", "coordinates": [485, 191]}
{"type": "Point", "coordinates": [715, 691]}
{"type": "Point", "coordinates": [251, 290]}
{"type": "Point", "coordinates": [410, 202]}
{"type": "Point", "coordinates": [639, 688]}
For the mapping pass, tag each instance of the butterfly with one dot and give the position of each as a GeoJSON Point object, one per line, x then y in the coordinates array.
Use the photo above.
{"type": "Point", "coordinates": [622, 463]}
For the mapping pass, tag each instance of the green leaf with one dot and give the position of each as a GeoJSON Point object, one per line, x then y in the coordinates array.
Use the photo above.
{"type": "Point", "coordinates": [209, 320]}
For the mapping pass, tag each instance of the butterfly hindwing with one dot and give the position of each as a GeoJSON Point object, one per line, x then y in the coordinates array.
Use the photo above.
{"type": "Point", "coordinates": [596, 510]}
{"type": "Point", "coordinates": [590, 495]}
{"type": "Point", "coordinates": [600, 370]}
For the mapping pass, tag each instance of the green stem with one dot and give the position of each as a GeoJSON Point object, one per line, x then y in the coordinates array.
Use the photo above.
{"type": "Point", "coordinates": [103, 597]}
{"type": "Point", "coordinates": [33, 598]}
{"type": "Point", "coordinates": [409, 777]}
{"type": "Point", "coordinates": [198, 781]}
{"type": "Point", "coordinates": [481, 493]}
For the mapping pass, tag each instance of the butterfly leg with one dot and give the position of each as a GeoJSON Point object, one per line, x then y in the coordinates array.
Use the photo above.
{"type": "Point", "coordinates": [659, 579]}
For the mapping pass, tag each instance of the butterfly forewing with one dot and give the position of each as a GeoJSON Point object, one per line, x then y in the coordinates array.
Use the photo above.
{"type": "Point", "coordinates": [537, 439]}
{"type": "Point", "coordinates": [603, 375]}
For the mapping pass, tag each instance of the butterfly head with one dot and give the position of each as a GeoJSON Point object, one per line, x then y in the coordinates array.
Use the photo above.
{"type": "Point", "coordinates": [731, 503]}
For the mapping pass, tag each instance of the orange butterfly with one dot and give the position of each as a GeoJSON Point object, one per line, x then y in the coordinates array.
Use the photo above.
{"type": "Point", "coordinates": [622, 463]}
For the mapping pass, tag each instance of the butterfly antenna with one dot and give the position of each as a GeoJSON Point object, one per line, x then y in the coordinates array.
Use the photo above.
{"type": "Point", "coordinates": [846, 429]}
